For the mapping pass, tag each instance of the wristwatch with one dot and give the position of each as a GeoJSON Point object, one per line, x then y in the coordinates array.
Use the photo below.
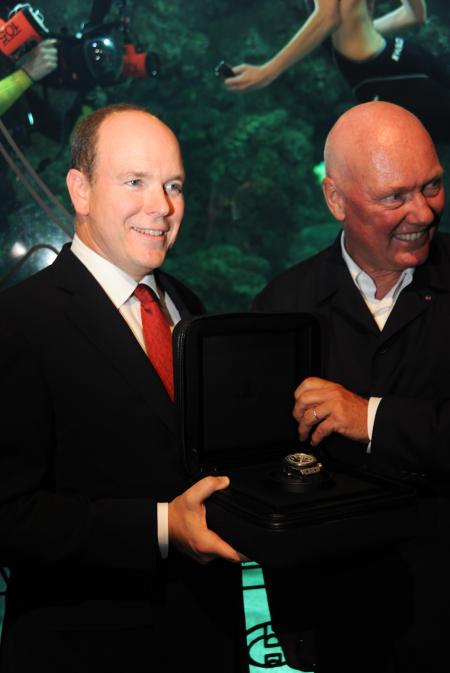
{"type": "Point", "coordinates": [302, 472]}
{"type": "Point", "coordinates": [301, 465]}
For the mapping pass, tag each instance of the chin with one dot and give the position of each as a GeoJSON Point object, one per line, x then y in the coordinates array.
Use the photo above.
{"type": "Point", "coordinates": [151, 257]}
{"type": "Point", "coordinates": [155, 261]}
{"type": "Point", "coordinates": [415, 260]}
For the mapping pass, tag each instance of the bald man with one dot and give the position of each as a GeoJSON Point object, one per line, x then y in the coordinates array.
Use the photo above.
{"type": "Point", "coordinates": [382, 293]}
{"type": "Point", "coordinates": [113, 567]}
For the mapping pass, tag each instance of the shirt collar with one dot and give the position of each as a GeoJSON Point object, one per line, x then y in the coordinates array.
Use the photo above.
{"type": "Point", "coordinates": [365, 283]}
{"type": "Point", "coordinates": [117, 284]}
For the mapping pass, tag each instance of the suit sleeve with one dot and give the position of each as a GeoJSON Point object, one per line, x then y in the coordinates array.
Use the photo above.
{"type": "Point", "coordinates": [37, 522]}
{"type": "Point", "coordinates": [413, 435]}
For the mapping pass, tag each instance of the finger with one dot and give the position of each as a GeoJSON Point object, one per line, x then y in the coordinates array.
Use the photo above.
{"type": "Point", "coordinates": [237, 69]}
{"type": "Point", "coordinates": [312, 417]}
{"type": "Point", "coordinates": [316, 415]}
{"type": "Point", "coordinates": [50, 49]}
{"type": "Point", "coordinates": [204, 488]}
{"type": "Point", "coordinates": [309, 384]}
{"type": "Point", "coordinates": [234, 85]}
{"type": "Point", "coordinates": [305, 402]}
{"type": "Point", "coordinates": [322, 430]}
{"type": "Point", "coordinates": [315, 424]}
{"type": "Point", "coordinates": [306, 423]}
{"type": "Point", "coordinates": [229, 83]}
{"type": "Point", "coordinates": [303, 432]}
{"type": "Point", "coordinates": [219, 547]}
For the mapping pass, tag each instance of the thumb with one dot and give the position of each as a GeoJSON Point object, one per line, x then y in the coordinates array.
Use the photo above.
{"type": "Point", "coordinates": [237, 69]}
{"type": "Point", "coordinates": [204, 488]}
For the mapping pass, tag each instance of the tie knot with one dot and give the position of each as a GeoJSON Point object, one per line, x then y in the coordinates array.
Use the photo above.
{"type": "Point", "coordinates": [145, 294]}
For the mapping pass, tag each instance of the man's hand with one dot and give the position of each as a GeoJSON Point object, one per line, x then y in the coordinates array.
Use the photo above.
{"type": "Point", "coordinates": [188, 530]}
{"type": "Point", "coordinates": [41, 60]}
{"type": "Point", "coordinates": [328, 407]}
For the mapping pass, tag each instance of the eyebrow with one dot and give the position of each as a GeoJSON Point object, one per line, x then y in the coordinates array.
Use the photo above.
{"type": "Point", "coordinates": [439, 175]}
{"type": "Point", "coordinates": [144, 174]}
{"type": "Point", "coordinates": [401, 189]}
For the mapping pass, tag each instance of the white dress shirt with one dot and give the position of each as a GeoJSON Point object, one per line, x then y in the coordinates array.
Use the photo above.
{"type": "Point", "coordinates": [119, 287]}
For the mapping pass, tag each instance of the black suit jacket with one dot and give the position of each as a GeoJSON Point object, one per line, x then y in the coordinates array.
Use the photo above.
{"type": "Point", "coordinates": [90, 446]}
{"type": "Point", "coordinates": [408, 365]}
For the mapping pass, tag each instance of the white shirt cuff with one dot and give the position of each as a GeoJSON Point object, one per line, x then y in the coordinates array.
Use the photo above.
{"type": "Point", "coordinates": [371, 413]}
{"type": "Point", "coordinates": [162, 514]}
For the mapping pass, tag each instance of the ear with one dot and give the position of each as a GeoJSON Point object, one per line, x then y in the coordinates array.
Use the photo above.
{"type": "Point", "coordinates": [79, 190]}
{"type": "Point", "coordinates": [334, 198]}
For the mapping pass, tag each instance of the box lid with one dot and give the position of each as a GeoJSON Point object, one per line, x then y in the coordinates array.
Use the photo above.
{"type": "Point", "coordinates": [235, 376]}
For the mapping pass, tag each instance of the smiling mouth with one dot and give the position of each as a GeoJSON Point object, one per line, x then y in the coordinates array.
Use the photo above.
{"type": "Point", "coordinates": [155, 233]}
{"type": "Point", "coordinates": [414, 236]}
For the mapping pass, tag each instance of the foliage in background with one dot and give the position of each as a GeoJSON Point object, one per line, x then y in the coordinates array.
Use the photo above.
{"type": "Point", "coordinates": [254, 204]}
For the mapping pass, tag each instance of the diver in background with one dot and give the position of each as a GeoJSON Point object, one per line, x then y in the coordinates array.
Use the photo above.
{"type": "Point", "coordinates": [40, 62]}
{"type": "Point", "coordinates": [36, 65]}
{"type": "Point", "coordinates": [376, 66]}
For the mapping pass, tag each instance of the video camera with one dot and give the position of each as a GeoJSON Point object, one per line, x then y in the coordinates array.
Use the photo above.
{"type": "Point", "coordinates": [97, 55]}
{"type": "Point", "coordinates": [23, 29]}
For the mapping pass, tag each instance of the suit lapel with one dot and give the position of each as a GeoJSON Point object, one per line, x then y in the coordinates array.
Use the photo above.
{"type": "Point", "coordinates": [92, 313]}
{"type": "Point", "coordinates": [336, 287]}
{"type": "Point", "coordinates": [164, 282]}
{"type": "Point", "coordinates": [349, 302]}
{"type": "Point", "coordinates": [410, 304]}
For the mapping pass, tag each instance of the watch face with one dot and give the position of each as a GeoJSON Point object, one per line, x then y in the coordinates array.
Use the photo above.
{"type": "Point", "coordinates": [301, 465]}
{"type": "Point", "coordinates": [301, 459]}
{"type": "Point", "coordinates": [302, 473]}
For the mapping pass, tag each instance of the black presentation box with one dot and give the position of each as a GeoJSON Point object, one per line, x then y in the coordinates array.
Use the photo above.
{"type": "Point", "coordinates": [235, 375]}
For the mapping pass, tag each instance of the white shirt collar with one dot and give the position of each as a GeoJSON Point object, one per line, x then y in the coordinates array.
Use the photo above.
{"type": "Point", "coordinates": [365, 283]}
{"type": "Point", "coordinates": [117, 284]}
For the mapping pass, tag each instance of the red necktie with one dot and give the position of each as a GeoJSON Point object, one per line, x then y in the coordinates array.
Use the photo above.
{"type": "Point", "coordinates": [157, 336]}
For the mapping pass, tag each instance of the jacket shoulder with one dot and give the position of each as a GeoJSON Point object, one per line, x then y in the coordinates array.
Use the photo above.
{"type": "Point", "coordinates": [442, 241]}
{"type": "Point", "coordinates": [26, 288]}
{"type": "Point", "coordinates": [291, 289]}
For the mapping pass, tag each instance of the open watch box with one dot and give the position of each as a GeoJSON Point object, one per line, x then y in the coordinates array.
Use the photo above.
{"type": "Point", "coordinates": [235, 376]}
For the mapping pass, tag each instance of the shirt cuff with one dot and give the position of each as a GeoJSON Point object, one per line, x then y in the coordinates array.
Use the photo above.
{"type": "Point", "coordinates": [162, 514]}
{"type": "Point", "coordinates": [371, 413]}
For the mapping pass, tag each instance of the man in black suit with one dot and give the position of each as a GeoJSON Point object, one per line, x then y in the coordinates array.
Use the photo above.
{"type": "Point", "coordinates": [104, 533]}
{"type": "Point", "coordinates": [382, 294]}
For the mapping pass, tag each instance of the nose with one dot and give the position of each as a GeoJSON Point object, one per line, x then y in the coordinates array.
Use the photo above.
{"type": "Point", "coordinates": [421, 210]}
{"type": "Point", "coordinates": [157, 201]}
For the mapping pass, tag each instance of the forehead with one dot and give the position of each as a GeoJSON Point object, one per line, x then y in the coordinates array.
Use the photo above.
{"type": "Point", "coordinates": [409, 163]}
{"type": "Point", "coordinates": [135, 137]}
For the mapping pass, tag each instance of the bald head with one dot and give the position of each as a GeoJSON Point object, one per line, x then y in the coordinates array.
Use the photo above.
{"type": "Point", "coordinates": [384, 184]}
{"type": "Point", "coordinates": [366, 135]}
